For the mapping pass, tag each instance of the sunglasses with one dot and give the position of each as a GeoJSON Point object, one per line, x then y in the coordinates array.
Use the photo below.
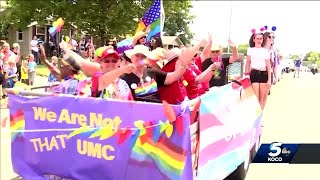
{"type": "Point", "coordinates": [271, 37]}
{"type": "Point", "coordinates": [144, 37]}
{"type": "Point", "coordinates": [215, 51]}
{"type": "Point", "coordinates": [109, 60]}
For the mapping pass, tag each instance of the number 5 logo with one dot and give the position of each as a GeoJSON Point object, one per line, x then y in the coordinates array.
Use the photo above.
{"type": "Point", "coordinates": [275, 149]}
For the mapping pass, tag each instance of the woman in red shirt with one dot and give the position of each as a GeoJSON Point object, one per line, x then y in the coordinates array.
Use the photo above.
{"type": "Point", "coordinates": [174, 93]}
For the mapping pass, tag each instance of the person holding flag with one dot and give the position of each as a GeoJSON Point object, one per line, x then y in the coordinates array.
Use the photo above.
{"type": "Point", "coordinates": [150, 25]}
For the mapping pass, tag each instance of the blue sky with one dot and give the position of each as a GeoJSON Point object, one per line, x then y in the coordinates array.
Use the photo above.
{"type": "Point", "coordinates": [297, 22]}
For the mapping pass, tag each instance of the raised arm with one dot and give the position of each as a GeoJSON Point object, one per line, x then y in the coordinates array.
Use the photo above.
{"type": "Point", "coordinates": [181, 66]}
{"type": "Point", "coordinates": [111, 76]}
{"type": "Point", "coordinates": [87, 66]}
{"type": "Point", "coordinates": [234, 56]}
{"type": "Point", "coordinates": [137, 36]}
{"type": "Point", "coordinates": [194, 49]}
{"type": "Point", "coordinates": [206, 51]}
{"type": "Point", "coordinates": [55, 71]}
{"type": "Point", "coordinates": [206, 75]}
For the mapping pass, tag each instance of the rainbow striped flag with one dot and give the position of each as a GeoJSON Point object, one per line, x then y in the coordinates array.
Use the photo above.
{"type": "Point", "coordinates": [167, 156]}
{"type": "Point", "coordinates": [154, 18]}
{"type": "Point", "coordinates": [124, 45]}
{"type": "Point", "coordinates": [17, 123]}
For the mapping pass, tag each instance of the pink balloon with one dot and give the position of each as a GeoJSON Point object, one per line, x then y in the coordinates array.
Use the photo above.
{"type": "Point", "coordinates": [262, 29]}
{"type": "Point", "coordinates": [253, 31]}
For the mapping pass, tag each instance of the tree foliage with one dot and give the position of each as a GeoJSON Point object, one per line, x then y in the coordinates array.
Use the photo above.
{"type": "Point", "coordinates": [294, 56]}
{"type": "Point", "coordinates": [104, 19]}
{"type": "Point", "coordinates": [312, 56]}
{"type": "Point", "coordinates": [242, 48]}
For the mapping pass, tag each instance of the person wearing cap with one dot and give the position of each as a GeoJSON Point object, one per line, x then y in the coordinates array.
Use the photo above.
{"type": "Point", "coordinates": [188, 84]}
{"type": "Point", "coordinates": [194, 77]}
{"type": "Point", "coordinates": [109, 83]}
{"type": "Point", "coordinates": [73, 81]}
{"type": "Point", "coordinates": [220, 76]}
{"type": "Point", "coordinates": [174, 93]}
{"type": "Point", "coordinates": [104, 71]}
{"type": "Point", "coordinates": [144, 82]}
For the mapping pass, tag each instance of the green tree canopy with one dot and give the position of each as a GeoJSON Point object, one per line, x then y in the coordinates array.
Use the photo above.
{"type": "Point", "coordinates": [105, 19]}
{"type": "Point", "coordinates": [242, 48]}
{"type": "Point", "coordinates": [294, 56]}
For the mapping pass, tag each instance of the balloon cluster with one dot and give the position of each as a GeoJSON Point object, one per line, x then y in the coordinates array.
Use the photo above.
{"type": "Point", "coordinates": [264, 28]}
{"type": "Point", "coordinates": [56, 26]}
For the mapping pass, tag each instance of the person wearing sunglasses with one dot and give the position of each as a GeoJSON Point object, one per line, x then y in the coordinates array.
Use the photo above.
{"type": "Point", "coordinates": [144, 81]}
{"type": "Point", "coordinates": [258, 66]}
{"type": "Point", "coordinates": [155, 42]}
{"type": "Point", "coordinates": [140, 38]}
{"type": "Point", "coordinates": [72, 80]}
{"type": "Point", "coordinates": [109, 83]}
{"type": "Point", "coordinates": [268, 43]}
{"type": "Point", "coordinates": [220, 75]}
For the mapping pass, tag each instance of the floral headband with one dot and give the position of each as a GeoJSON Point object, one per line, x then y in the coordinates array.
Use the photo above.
{"type": "Point", "coordinates": [263, 29]}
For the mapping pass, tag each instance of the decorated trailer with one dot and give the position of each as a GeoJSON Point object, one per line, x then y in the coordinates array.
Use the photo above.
{"type": "Point", "coordinates": [75, 138]}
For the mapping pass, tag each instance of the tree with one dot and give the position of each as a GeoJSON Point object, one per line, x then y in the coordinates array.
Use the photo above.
{"type": "Point", "coordinates": [101, 18]}
{"type": "Point", "coordinates": [314, 57]}
{"type": "Point", "coordinates": [178, 18]}
{"type": "Point", "coordinates": [294, 56]}
{"type": "Point", "coordinates": [242, 48]}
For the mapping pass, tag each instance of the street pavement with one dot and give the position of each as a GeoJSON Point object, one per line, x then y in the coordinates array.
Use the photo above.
{"type": "Point", "coordinates": [292, 115]}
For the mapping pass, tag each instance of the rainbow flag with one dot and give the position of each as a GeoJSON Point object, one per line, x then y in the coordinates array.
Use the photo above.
{"type": "Point", "coordinates": [17, 122]}
{"type": "Point", "coordinates": [168, 157]}
{"type": "Point", "coordinates": [124, 45]}
{"type": "Point", "coordinates": [154, 18]}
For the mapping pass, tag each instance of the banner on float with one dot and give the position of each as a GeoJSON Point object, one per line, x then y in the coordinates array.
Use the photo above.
{"type": "Point", "coordinates": [230, 126]}
{"type": "Point", "coordinates": [85, 138]}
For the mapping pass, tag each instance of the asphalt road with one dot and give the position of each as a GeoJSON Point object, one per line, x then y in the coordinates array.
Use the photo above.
{"type": "Point", "coordinates": [292, 115]}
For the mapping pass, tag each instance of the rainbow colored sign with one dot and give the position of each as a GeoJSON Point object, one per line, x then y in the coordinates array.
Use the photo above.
{"type": "Point", "coordinates": [86, 138]}
{"type": "Point", "coordinates": [230, 125]}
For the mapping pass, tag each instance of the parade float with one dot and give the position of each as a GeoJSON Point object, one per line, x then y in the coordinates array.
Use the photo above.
{"type": "Point", "coordinates": [75, 138]}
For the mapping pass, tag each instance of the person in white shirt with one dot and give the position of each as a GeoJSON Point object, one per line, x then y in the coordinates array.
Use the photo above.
{"type": "Point", "coordinates": [34, 49]}
{"type": "Point", "coordinates": [259, 67]}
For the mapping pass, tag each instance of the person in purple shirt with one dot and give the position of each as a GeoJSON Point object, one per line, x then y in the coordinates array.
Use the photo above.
{"type": "Point", "coordinates": [297, 66]}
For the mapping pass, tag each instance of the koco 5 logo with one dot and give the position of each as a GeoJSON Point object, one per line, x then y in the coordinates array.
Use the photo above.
{"type": "Point", "coordinates": [274, 151]}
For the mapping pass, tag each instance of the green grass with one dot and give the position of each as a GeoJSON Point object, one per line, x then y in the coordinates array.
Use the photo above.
{"type": "Point", "coordinates": [42, 70]}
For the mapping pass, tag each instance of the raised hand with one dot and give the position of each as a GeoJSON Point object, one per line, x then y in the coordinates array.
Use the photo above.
{"type": "Point", "coordinates": [148, 29]}
{"type": "Point", "coordinates": [210, 37]}
{"type": "Point", "coordinates": [231, 43]}
{"type": "Point", "coordinates": [129, 68]}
